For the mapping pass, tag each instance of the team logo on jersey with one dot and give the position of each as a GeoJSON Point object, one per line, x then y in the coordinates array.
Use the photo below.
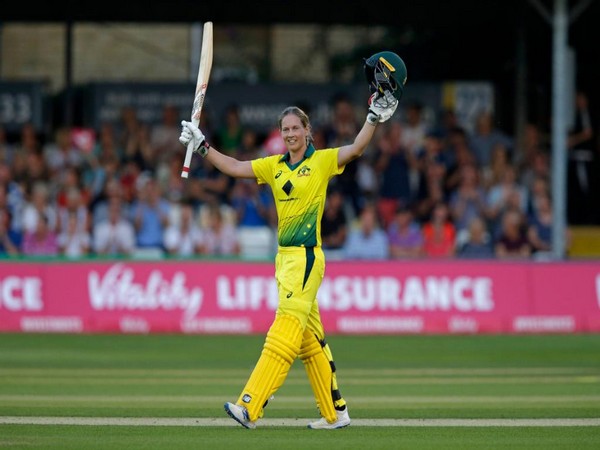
{"type": "Point", "coordinates": [304, 171]}
{"type": "Point", "coordinates": [288, 187]}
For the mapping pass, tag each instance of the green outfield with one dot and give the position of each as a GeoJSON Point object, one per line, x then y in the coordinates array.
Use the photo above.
{"type": "Point", "coordinates": [413, 392]}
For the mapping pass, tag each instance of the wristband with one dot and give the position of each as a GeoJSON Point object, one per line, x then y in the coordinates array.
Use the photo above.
{"type": "Point", "coordinates": [203, 149]}
{"type": "Point", "coordinates": [372, 118]}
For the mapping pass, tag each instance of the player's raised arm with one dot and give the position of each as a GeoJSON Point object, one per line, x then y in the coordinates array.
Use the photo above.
{"type": "Point", "coordinates": [386, 75]}
{"type": "Point", "coordinates": [226, 164]}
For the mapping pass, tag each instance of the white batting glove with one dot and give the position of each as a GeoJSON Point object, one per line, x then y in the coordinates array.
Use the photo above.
{"type": "Point", "coordinates": [191, 133]}
{"type": "Point", "coordinates": [381, 107]}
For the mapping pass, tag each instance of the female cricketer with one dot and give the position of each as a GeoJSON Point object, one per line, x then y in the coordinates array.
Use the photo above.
{"type": "Point", "coordinates": [298, 180]}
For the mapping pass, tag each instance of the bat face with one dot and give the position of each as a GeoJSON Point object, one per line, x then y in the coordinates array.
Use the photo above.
{"type": "Point", "coordinates": [198, 102]}
{"type": "Point", "coordinates": [201, 85]}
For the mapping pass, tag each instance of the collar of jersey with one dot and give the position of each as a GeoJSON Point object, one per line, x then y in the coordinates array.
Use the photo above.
{"type": "Point", "coordinates": [307, 154]}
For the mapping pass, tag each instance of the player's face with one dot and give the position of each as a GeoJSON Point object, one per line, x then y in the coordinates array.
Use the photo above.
{"type": "Point", "coordinates": [293, 133]}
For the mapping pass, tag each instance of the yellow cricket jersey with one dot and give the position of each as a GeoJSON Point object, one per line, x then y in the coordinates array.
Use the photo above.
{"type": "Point", "coordinates": [299, 191]}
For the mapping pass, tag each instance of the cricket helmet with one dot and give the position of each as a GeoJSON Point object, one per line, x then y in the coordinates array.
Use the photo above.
{"type": "Point", "coordinates": [385, 71]}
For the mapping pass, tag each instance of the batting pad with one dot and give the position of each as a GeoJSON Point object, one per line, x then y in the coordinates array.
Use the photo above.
{"type": "Point", "coordinates": [319, 369]}
{"type": "Point", "coordinates": [279, 352]}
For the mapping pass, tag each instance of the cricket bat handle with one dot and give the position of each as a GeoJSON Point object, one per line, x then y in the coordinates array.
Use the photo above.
{"type": "Point", "coordinates": [188, 160]}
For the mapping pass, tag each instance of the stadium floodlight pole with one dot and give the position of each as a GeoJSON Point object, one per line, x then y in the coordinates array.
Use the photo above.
{"type": "Point", "coordinates": [560, 24]}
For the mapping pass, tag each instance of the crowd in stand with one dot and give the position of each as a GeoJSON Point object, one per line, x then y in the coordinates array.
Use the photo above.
{"type": "Point", "coordinates": [424, 189]}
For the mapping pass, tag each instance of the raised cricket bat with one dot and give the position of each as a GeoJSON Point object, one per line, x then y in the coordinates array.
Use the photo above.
{"type": "Point", "coordinates": [206, 58]}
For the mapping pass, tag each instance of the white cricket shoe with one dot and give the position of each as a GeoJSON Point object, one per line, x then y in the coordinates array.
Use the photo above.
{"type": "Point", "coordinates": [239, 414]}
{"type": "Point", "coordinates": [343, 420]}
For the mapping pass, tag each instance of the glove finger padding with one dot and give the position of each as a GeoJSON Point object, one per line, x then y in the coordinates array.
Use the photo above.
{"type": "Point", "coordinates": [186, 136]}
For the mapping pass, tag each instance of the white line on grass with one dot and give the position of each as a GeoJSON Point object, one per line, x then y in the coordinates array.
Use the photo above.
{"type": "Point", "coordinates": [224, 422]}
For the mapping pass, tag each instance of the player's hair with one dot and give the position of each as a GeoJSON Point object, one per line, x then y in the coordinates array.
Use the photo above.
{"type": "Point", "coordinates": [301, 115]}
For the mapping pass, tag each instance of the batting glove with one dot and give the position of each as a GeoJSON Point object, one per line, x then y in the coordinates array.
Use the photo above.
{"type": "Point", "coordinates": [191, 133]}
{"type": "Point", "coordinates": [381, 107]}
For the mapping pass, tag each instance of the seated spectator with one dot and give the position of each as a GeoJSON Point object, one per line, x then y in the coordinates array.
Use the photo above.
{"type": "Point", "coordinates": [10, 240]}
{"type": "Point", "coordinates": [219, 238]}
{"type": "Point", "coordinates": [74, 241]}
{"type": "Point", "coordinates": [393, 165]}
{"type": "Point", "coordinates": [113, 189]}
{"type": "Point", "coordinates": [76, 207]}
{"type": "Point", "coordinates": [405, 236]}
{"type": "Point", "coordinates": [42, 241]}
{"type": "Point", "coordinates": [184, 238]}
{"type": "Point", "coordinates": [439, 233]}
{"type": "Point", "coordinates": [512, 242]}
{"type": "Point", "coordinates": [334, 225]}
{"type": "Point", "coordinates": [478, 242]}
{"type": "Point", "coordinates": [150, 214]}
{"type": "Point", "coordinates": [114, 235]}
{"type": "Point", "coordinates": [539, 231]}
{"type": "Point", "coordinates": [253, 204]}
{"type": "Point", "coordinates": [494, 172]}
{"type": "Point", "coordinates": [431, 191]}
{"type": "Point", "coordinates": [485, 137]}
{"type": "Point", "coordinates": [62, 152]}
{"type": "Point", "coordinates": [468, 199]}
{"type": "Point", "coordinates": [505, 194]}
{"type": "Point", "coordinates": [367, 240]}
{"type": "Point", "coordinates": [39, 205]}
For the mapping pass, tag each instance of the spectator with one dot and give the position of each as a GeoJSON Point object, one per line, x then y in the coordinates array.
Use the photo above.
{"type": "Point", "coordinates": [73, 240]}
{"type": "Point", "coordinates": [414, 128]}
{"type": "Point", "coordinates": [164, 136]}
{"type": "Point", "coordinates": [184, 237]}
{"type": "Point", "coordinates": [40, 205]}
{"type": "Point", "coordinates": [477, 243]}
{"type": "Point", "coordinates": [367, 240]}
{"type": "Point", "coordinates": [539, 230]}
{"type": "Point", "coordinates": [540, 189]}
{"type": "Point", "coordinates": [74, 209]}
{"type": "Point", "coordinates": [582, 173]}
{"type": "Point", "coordinates": [334, 224]}
{"type": "Point", "coordinates": [342, 130]}
{"type": "Point", "coordinates": [431, 191]}
{"type": "Point", "coordinates": [169, 178]}
{"type": "Point", "coordinates": [112, 189]}
{"type": "Point", "coordinates": [128, 126]}
{"type": "Point", "coordinates": [114, 234]}
{"type": "Point", "coordinates": [41, 241]}
{"type": "Point", "coordinates": [139, 149]}
{"type": "Point", "coordinates": [468, 199]}
{"type": "Point", "coordinates": [229, 136]}
{"type": "Point", "coordinates": [10, 240]}
{"type": "Point", "coordinates": [12, 198]}
{"type": "Point", "coordinates": [103, 163]}
{"type": "Point", "coordinates": [439, 233]}
{"type": "Point", "coordinates": [249, 146]}
{"type": "Point", "coordinates": [29, 141]}
{"type": "Point", "coordinates": [513, 242]}
{"type": "Point", "coordinates": [62, 152]}
{"type": "Point", "coordinates": [505, 194]}
{"type": "Point", "coordinates": [494, 172]}
{"type": "Point", "coordinates": [533, 143]}
{"type": "Point", "coordinates": [392, 165]}
{"type": "Point", "coordinates": [150, 214]}
{"type": "Point", "coordinates": [539, 168]}
{"type": "Point", "coordinates": [219, 238]}
{"type": "Point", "coordinates": [485, 137]}
{"type": "Point", "coordinates": [458, 154]}
{"type": "Point", "coordinates": [405, 236]}
{"type": "Point", "coordinates": [253, 204]}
